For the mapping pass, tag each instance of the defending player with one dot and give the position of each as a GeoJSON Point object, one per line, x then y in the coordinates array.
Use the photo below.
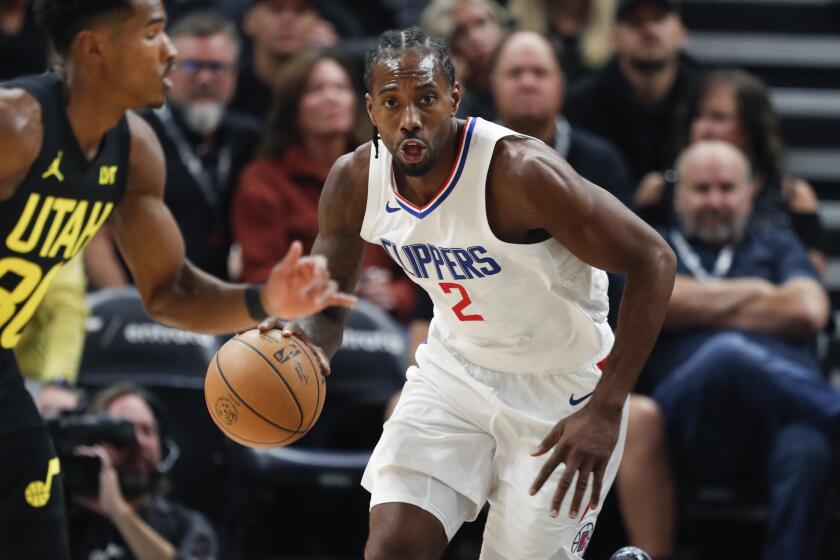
{"type": "Point", "coordinates": [70, 158]}
{"type": "Point", "coordinates": [508, 240]}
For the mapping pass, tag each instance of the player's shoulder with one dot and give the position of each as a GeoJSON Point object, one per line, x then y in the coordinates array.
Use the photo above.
{"type": "Point", "coordinates": [145, 145]}
{"type": "Point", "coordinates": [21, 127]}
{"type": "Point", "coordinates": [522, 159]}
{"type": "Point", "coordinates": [351, 170]}
{"type": "Point", "coordinates": [148, 168]}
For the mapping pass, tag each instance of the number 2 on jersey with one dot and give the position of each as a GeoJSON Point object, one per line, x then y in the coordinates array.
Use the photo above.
{"type": "Point", "coordinates": [459, 307]}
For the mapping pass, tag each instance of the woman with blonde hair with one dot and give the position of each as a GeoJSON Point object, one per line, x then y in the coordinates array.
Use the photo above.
{"type": "Point", "coordinates": [579, 29]}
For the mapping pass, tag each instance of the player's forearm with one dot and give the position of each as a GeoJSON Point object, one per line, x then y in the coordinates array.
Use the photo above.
{"type": "Point", "coordinates": [145, 543]}
{"type": "Point", "coordinates": [705, 304]}
{"type": "Point", "coordinates": [798, 309]}
{"type": "Point", "coordinates": [326, 329]}
{"type": "Point", "coordinates": [197, 302]}
{"type": "Point", "coordinates": [640, 318]}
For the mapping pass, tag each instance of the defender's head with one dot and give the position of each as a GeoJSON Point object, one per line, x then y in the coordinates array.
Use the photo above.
{"type": "Point", "coordinates": [120, 42]}
{"type": "Point", "coordinates": [412, 97]}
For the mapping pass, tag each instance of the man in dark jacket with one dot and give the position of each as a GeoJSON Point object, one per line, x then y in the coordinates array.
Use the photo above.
{"type": "Point", "coordinates": [633, 100]}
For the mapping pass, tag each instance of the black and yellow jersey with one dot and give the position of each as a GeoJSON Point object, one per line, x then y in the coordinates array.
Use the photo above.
{"type": "Point", "coordinates": [63, 201]}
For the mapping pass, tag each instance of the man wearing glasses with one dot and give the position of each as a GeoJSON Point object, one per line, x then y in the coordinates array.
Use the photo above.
{"type": "Point", "coordinates": [206, 145]}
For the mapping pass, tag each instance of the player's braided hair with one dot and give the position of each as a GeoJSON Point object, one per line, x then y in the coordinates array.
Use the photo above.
{"type": "Point", "coordinates": [393, 44]}
{"type": "Point", "coordinates": [63, 19]}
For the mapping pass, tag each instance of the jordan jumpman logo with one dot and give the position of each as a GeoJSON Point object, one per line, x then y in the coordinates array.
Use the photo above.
{"type": "Point", "coordinates": [53, 170]}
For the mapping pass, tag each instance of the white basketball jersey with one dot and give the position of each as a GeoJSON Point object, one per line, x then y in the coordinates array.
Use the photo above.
{"type": "Point", "coordinates": [504, 306]}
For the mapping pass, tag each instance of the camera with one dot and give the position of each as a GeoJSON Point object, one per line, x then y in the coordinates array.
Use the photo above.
{"type": "Point", "coordinates": [71, 430]}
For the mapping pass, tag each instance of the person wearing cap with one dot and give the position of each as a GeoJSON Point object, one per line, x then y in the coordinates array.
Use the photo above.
{"type": "Point", "coordinates": [279, 29]}
{"type": "Point", "coordinates": [633, 100]}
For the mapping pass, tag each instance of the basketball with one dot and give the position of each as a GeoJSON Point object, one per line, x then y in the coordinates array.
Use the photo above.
{"type": "Point", "coordinates": [264, 389]}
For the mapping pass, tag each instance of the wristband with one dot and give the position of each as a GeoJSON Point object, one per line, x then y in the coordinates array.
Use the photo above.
{"type": "Point", "coordinates": [253, 302]}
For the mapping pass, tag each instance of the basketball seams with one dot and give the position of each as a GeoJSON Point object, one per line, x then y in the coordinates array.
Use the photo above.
{"type": "Point", "coordinates": [317, 368]}
{"type": "Point", "coordinates": [236, 437]}
{"type": "Point", "coordinates": [279, 376]}
{"type": "Point", "coordinates": [245, 403]}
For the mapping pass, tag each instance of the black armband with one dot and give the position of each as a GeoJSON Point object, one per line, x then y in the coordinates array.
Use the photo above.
{"type": "Point", "coordinates": [253, 303]}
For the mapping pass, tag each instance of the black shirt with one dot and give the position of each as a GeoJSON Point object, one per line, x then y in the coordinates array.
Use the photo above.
{"type": "Point", "coordinates": [600, 163]}
{"type": "Point", "coordinates": [200, 202]}
{"type": "Point", "coordinates": [24, 52]}
{"type": "Point", "coordinates": [252, 96]}
{"type": "Point", "coordinates": [93, 536]}
{"type": "Point", "coordinates": [605, 104]}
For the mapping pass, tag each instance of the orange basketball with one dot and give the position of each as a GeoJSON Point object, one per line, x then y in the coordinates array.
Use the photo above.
{"type": "Point", "coordinates": [264, 389]}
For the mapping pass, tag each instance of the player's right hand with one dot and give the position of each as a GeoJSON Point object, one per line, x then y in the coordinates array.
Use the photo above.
{"type": "Point", "coordinates": [289, 328]}
{"type": "Point", "coordinates": [300, 286]}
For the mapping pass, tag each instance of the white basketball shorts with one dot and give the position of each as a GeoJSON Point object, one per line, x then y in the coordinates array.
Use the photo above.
{"type": "Point", "coordinates": [462, 435]}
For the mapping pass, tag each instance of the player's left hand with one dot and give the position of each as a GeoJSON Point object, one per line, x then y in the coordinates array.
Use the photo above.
{"type": "Point", "coordinates": [288, 329]}
{"type": "Point", "coordinates": [300, 286]}
{"type": "Point", "coordinates": [110, 502]}
{"type": "Point", "coordinates": [584, 442]}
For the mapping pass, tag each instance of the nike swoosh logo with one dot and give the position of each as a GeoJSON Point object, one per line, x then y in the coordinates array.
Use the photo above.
{"type": "Point", "coordinates": [574, 402]}
{"type": "Point", "coordinates": [391, 210]}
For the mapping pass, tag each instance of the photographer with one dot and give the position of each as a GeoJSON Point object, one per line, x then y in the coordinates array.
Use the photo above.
{"type": "Point", "coordinates": [130, 518]}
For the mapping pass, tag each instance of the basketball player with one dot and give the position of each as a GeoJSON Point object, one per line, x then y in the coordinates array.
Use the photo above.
{"type": "Point", "coordinates": [70, 157]}
{"type": "Point", "coordinates": [507, 402]}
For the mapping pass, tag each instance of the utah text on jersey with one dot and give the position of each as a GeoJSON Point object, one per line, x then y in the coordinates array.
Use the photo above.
{"type": "Point", "coordinates": [49, 227]}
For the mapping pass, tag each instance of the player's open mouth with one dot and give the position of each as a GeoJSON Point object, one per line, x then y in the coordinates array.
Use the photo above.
{"type": "Point", "coordinates": [412, 151]}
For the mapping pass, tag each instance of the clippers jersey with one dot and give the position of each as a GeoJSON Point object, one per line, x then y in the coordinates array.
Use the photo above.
{"type": "Point", "coordinates": [532, 308]}
{"type": "Point", "coordinates": [57, 209]}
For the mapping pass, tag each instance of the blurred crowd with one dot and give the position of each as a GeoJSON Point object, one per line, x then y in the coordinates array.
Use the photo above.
{"type": "Point", "coordinates": [267, 94]}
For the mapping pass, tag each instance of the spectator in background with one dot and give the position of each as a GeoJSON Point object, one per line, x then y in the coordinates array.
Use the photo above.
{"type": "Point", "coordinates": [205, 144]}
{"type": "Point", "coordinates": [23, 46]}
{"type": "Point", "coordinates": [473, 29]}
{"type": "Point", "coordinates": [735, 106]}
{"type": "Point", "coordinates": [528, 86]}
{"type": "Point", "coordinates": [50, 349]}
{"type": "Point", "coordinates": [130, 518]}
{"type": "Point", "coordinates": [743, 398]}
{"type": "Point", "coordinates": [580, 30]}
{"type": "Point", "coordinates": [316, 118]}
{"type": "Point", "coordinates": [279, 29]}
{"type": "Point", "coordinates": [632, 102]}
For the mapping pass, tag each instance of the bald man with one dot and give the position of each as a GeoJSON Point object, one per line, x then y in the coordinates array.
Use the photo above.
{"type": "Point", "coordinates": [743, 393]}
{"type": "Point", "coordinates": [529, 88]}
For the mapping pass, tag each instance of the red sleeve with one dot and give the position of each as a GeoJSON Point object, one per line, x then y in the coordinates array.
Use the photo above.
{"type": "Point", "coordinates": [258, 218]}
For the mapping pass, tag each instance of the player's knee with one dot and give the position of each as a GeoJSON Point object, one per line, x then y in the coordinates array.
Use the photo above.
{"type": "Point", "coordinates": [404, 532]}
{"type": "Point", "coordinates": [397, 546]}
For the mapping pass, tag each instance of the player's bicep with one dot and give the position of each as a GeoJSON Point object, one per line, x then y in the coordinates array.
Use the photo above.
{"type": "Point", "coordinates": [144, 229]}
{"type": "Point", "coordinates": [590, 221]}
{"type": "Point", "coordinates": [149, 240]}
{"type": "Point", "coordinates": [341, 211]}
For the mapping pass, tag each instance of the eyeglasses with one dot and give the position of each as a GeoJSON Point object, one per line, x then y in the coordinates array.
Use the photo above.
{"type": "Point", "coordinates": [193, 66]}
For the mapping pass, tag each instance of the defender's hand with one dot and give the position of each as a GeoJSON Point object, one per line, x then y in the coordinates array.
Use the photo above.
{"type": "Point", "coordinates": [300, 286]}
{"type": "Point", "coordinates": [288, 329]}
{"type": "Point", "coordinates": [584, 442]}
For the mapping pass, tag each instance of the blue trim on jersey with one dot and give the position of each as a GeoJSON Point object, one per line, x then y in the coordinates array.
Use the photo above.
{"type": "Point", "coordinates": [428, 210]}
